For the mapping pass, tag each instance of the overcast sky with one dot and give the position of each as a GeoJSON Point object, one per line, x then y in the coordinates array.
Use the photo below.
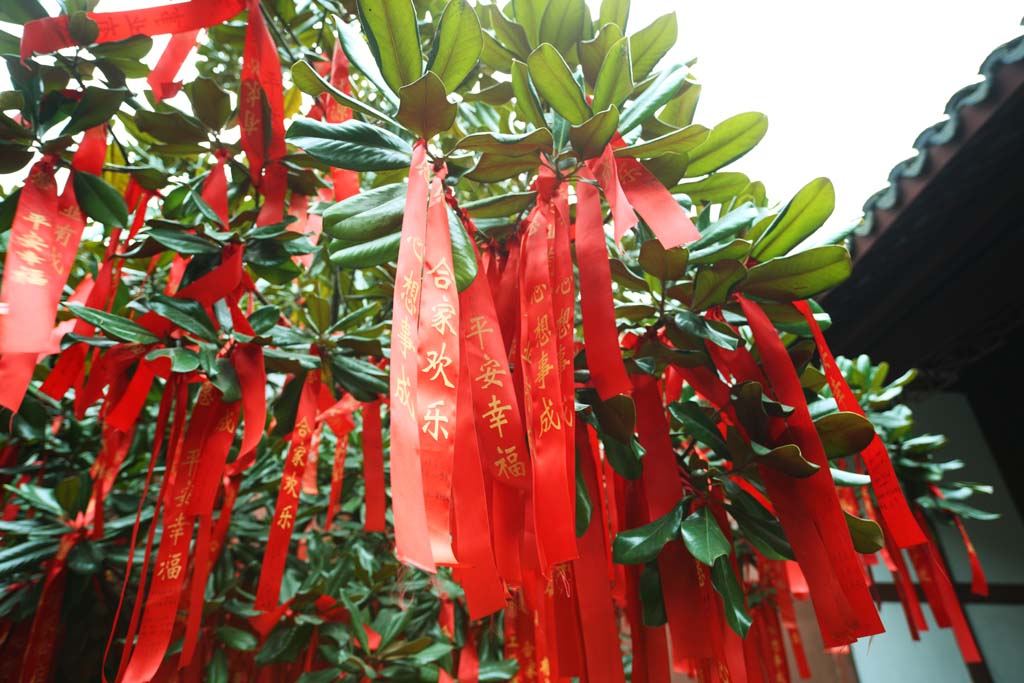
{"type": "Point", "coordinates": [846, 86]}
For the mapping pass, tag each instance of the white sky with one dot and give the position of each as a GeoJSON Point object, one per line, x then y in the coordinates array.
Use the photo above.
{"type": "Point", "coordinates": [846, 86]}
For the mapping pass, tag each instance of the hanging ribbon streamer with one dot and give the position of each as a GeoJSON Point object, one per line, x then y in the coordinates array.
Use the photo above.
{"type": "Point", "coordinates": [373, 467]}
{"type": "Point", "coordinates": [809, 508]}
{"type": "Point", "coordinates": [53, 33]}
{"type": "Point", "coordinates": [161, 78]}
{"type": "Point", "coordinates": [542, 391]}
{"type": "Point", "coordinates": [891, 501]}
{"type": "Point", "coordinates": [412, 543]}
{"type": "Point", "coordinates": [601, 337]}
{"type": "Point", "coordinates": [286, 510]}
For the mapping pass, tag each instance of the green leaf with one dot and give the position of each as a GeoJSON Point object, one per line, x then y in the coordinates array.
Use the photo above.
{"type": "Point", "coordinates": [677, 142]}
{"type": "Point", "coordinates": [424, 107]}
{"type": "Point", "coordinates": [699, 425]}
{"type": "Point", "coordinates": [378, 221]}
{"type": "Point", "coordinates": [457, 44]}
{"type": "Point", "coordinates": [187, 314]}
{"type": "Point", "coordinates": [703, 537]}
{"type": "Point", "coordinates": [652, 602]}
{"type": "Point", "coordinates": [662, 263]}
{"type": "Point", "coordinates": [614, 12]}
{"type": "Point", "coordinates": [500, 205]}
{"type": "Point", "coordinates": [757, 524]}
{"type": "Point", "coordinates": [664, 88]}
{"type": "Point", "coordinates": [321, 676]}
{"type": "Point", "coordinates": [866, 534]}
{"type": "Point", "coordinates": [584, 506]}
{"type": "Point", "coordinates": [463, 254]}
{"type": "Point", "coordinates": [527, 103]}
{"type": "Point", "coordinates": [510, 35]}
{"type": "Point", "coordinates": [225, 378]}
{"type": "Point", "coordinates": [210, 102]}
{"type": "Point", "coordinates": [554, 82]}
{"type": "Point", "coordinates": [845, 478]}
{"type": "Point", "coordinates": [650, 44]}
{"type": "Point", "coordinates": [368, 254]}
{"type": "Point", "coordinates": [693, 324]}
{"type": "Point", "coordinates": [98, 105]}
{"type": "Point", "coordinates": [615, 79]}
{"type": "Point", "coordinates": [718, 188]}
{"type": "Point", "coordinates": [727, 142]}
{"type": "Point", "coordinates": [351, 145]}
{"type": "Point", "coordinates": [338, 215]}
{"type": "Point", "coordinates": [562, 24]}
{"type": "Point", "coordinates": [530, 13]}
{"type": "Point", "coordinates": [712, 285]}
{"type": "Point", "coordinates": [114, 325]}
{"type": "Point", "coordinates": [99, 200]}
{"type": "Point", "coordinates": [679, 111]}
{"type": "Point", "coordinates": [844, 433]}
{"type": "Point", "coordinates": [591, 137]}
{"type": "Point", "coordinates": [182, 360]}
{"type": "Point", "coordinates": [789, 460]}
{"type": "Point", "coordinates": [361, 57]}
{"type": "Point", "coordinates": [509, 144]}
{"type": "Point", "coordinates": [390, 26]}
{"type": "Point", "coordinates": [21, 11]}
{"type": "Point", "coordinates": [171, 126]}
{"type": "Point", "coordinates": [723, 578]}
{"type": "Point", "coordinates": [181, 242]}
{"type": "Point", "coordinates": [494, 167]}
{"type": "Point", "coordinates": [82, 29]}
{"type": "Point", "coordinates": [799, 276]}
{"type": "Point", "coordinates": [643, 544]}
{"type": "Point", "coordinates": [592, 52]}
{"type": "Point", "coordinates": [799, 219]}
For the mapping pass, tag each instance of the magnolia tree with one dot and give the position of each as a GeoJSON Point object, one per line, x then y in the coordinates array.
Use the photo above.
{"type": "Point", "coordinates": [420, 341]}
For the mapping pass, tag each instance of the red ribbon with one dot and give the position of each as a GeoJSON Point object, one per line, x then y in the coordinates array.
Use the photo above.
{"type": "Point", "coordinates": [809, 508]}
{"type": "Point", "coordinates": [268, 589]}
{"type": "Point", "coordinates": [53, 33]}
{"type": "Point", "coordinates": [600, 335]}
{"type": "Point", "coordinates": [891, 502]}
{"type": "Point", "coordinates": [412, 543]}
{"type": "Point", "coordinates": [161, 78]}
{"type": "Point", "coordinates": [373, 467]}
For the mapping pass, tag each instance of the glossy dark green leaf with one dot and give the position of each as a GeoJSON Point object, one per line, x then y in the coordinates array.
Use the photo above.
{"type": "Point", "coordinates": [500, 205]}
{"type": "Point", "coordinates": [209, 101]}
{"type": "Point", "coordinates": [866, 534]}
{"type": "Point", "coordinates": [509, 144]}
{"type": "Point", "coordinates": [310, 82]}
{"type": "Point", "coordinates": [99, 201]}
{"type": "Point", "coordinates": [180, 241]}
{"type": "Point", "coordinates": [584, 505]}
{"type": "Point", "coordinates": [21, 11]}
{"type": "Point", "coordinates": [98, 105]}
{"type": "Point", "coordinates": [351, 145]}
{"type": "Point", "coordinates": [662, 263]}
{"type": "Point", "coordinates": [644, 543]}
{"type": "Point", "coordinates": [789, 460]}
{"type": "Point", "coordinates": [187, 314]}
{"type": "Point", "coordinates": [114, 325]}
{"type": "Point", "coordinates": [847, 478]}
{"type": "Point", "coordinates": [712, 284]}
{"type": "Point", "coordinates": [368, 254]}
{"type": "Point", "coordinates": [651, 43]}
{"type": "Point", "coordinates": [562, 23]}
{"type": "Point", "coordinates": [530, 14]}
{"type": "Point", "coordinates": [703, 537]}
{"type": "Point", "coordinates": [394, 38]}
{"type": "Point", "coordinates": [665, 87]}
{"type": "Point", "coordinates": [527, 103]}
{"type": "Point", "coordinates": [457, 44]}
{"type": "Point", "coordinates": [844, 433]}
{"type": "Point", "coordinates": [727, 142]}
{"type": "Point", "coordinates": [699, 425]}
{"type": "Point", "coordinates": [361, 57]}
{"type": "Point", "coordinates": [693, 324]}
{"type": "Point", "coordinates": [591, 137]}
{"type": "Point", "coordinates": [551, 77]}
{"type": "Point", "coordinates": [717, 188]}
{"type": "Point", "coordinates": [723, 578]}
{"type": "Point", "coordinates": [652, 602]}
{"type": "Point", "coordinates": [677, 142]}
{"type": "Point", "coordinates": [378, 221]}
{"type": "Point", "coordinates": [225, 378]}
{"type": "Point", "coordinates": [182, 360]}
{"type": "Point", "coordinates": [494, 167]}
{"type": "Point", "coordinates": [463, 256]}
{"type": "Point", "coordinates": [799, 276]}
{"type": "Point", "coordinates": [424, 107]}
{"type": "Point", "coordinates": [173, 127]}
{"type": "Point", "coordinates": [592, 52]}
{"type": "Point", "coordinates": [799, 219]}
